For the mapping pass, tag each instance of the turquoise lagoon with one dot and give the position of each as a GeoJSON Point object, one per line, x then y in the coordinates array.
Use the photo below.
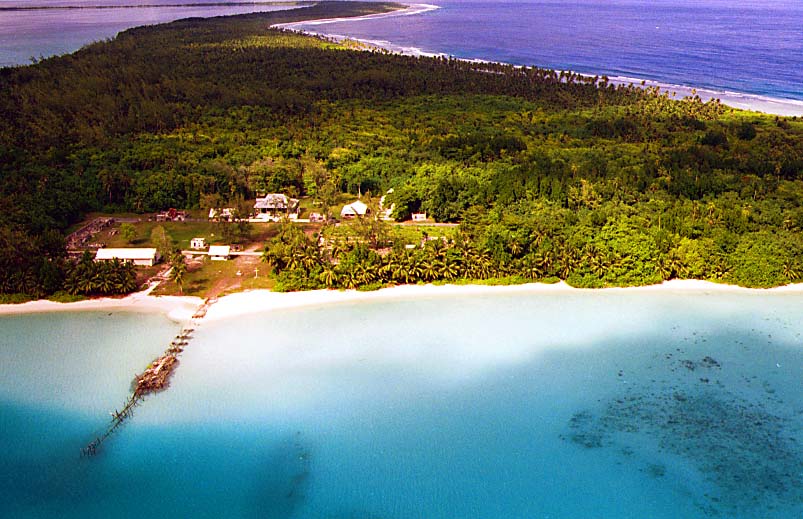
{"type": "Point", "coordinates": [606, 404]}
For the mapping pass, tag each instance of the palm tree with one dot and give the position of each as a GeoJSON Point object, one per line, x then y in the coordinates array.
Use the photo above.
{"type": "Point", "coordinates": [790, 270]}
{"type": "Point", "coordinates": [328, 277]}
{"type": "Point", "coordinates": [450, 269]}
{"type": "Point", "coordinates": [179, 269]}
{"type": "Point", "coordinates": [532, 267]}
{"type": "Point", "coordinates": [430, 269]}
{"type": "Point", "coordinates": [364, 274]}
{"type": "Point", "coordinates": [309, 258]}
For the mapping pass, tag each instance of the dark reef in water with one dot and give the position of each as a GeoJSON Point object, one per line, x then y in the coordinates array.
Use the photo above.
{"type": "Point", "coordinates": [743, 444]}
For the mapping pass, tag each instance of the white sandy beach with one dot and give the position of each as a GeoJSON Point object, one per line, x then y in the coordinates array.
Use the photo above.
{"type": "Point", "coordinates": [257, 301]}
{"type": "Point", "coordinates": [175, 307]}
{"type": "Point", "coordinates": [407, 11]}
{"type": "Point", "coordinates": [263, 300]}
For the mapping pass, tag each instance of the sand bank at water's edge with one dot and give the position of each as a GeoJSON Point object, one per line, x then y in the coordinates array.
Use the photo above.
{"type": "Point", "coordinates": [175, 307]}
{"type": "Point", "coordinates": [256, 301]}
{"type": "Point", "coordinates": [264, 300]}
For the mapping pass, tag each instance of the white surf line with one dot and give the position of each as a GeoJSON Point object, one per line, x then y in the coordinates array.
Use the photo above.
{"type": "Point", "coordinates": [745, 101]}
{"type": "Point", "coordinates": [408, 11]}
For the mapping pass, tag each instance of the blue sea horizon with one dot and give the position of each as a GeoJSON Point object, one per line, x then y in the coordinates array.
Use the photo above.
{"type": "Point", "coordinates": [591, 404]}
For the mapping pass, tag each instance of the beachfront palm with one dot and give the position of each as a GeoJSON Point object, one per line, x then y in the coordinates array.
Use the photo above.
{"type": "Point", "coordinates": [399, 272]}
{"type": "Point", "coordinates": [671, 266]}
{"type": "Point", "coordinates": [568, 262]}
{"type": "Point", "coordinates": [450, 269]}
{"type": "Point", "coordinates": [532, 268]}
{"type": "Point", "coordinates": [414, 268]}
{"type": "Point", "coordinates": [364, 274]}
{"type": "Point", "coordinates": [103, 282]}
{"type": "Point", "coordinates": [545, 260]}
{"type": "Point", "coordinates": [178, 271]}
{"type": "Point", "coordinates": [349, 280]}
{"type": "Point", "coordinates": [430, 269]}
{"type": "Point", "coordinates": [790, 271]}
{"type": "Point", "coordinates": [387, 268]}
{"type": "Point", "coordinates": [310, 258]}
{"type": "Point", "coordinates": [328, 277]}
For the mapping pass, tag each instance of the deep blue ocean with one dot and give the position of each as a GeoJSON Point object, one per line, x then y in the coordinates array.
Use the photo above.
{"type": "Point", "coordinates": [737, 45]}
{"type": "Point", "coordinates": [558, 405]}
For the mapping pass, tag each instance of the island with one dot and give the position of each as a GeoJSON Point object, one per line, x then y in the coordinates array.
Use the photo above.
{"type": "Point", "coordinates": [309, 163]}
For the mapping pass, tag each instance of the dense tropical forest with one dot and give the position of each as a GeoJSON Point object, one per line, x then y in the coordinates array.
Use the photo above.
{"type": "Point", "coordinates": [550, 175]}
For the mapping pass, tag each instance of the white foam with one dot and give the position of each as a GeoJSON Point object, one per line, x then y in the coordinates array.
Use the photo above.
{"type": "Point", "coordinates": [409, 11]}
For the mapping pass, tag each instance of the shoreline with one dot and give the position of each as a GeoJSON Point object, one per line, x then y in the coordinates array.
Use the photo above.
{"type": "Point", "coordinates": [181, 308]}
{"type": "Point", "coordinates": [738, 100]}
{"type": "Point", "coordinates": [175, 308]}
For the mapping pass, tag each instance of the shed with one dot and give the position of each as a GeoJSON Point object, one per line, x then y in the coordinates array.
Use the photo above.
{"type": "Point", "coordinates": [198, 243]}
{"type": "Point", "coordinates": [354, 209]}
{"type": "Point", "coordinates": [144, 257]}
{"type": "Point", "coordinates": [219, 252]}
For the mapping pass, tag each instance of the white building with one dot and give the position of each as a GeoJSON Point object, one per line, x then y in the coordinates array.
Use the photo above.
{"type": "Point", "coordinates": [354, 210]}
{"type": "Point", "coordinates": [225, 214]}
{"type": "Point", "coordinates": [219, 252]}
{"type": "Point", "coordinates": [144, 257]}
{"type": "Point", "coordinates": [198, 243]}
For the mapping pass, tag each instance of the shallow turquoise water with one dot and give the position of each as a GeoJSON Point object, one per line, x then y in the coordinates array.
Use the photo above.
{"type": "Point", "coordinates": [602, 404]}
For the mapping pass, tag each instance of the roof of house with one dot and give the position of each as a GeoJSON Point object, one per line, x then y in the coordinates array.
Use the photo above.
{"type": "Point", "coordinates": [129, 253]}
{"type": "Point", "coordinates": [275, 201]}
{"type": "Point", "coordinates": [225, 212]}
{"type": "Point", "coordinates": [357, 207]}
{"type": "Point", "coordinates": [219, 250]}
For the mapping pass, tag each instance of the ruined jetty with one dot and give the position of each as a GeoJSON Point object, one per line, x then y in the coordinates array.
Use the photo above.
{"type": "Point", "coordinates": [155, 378]}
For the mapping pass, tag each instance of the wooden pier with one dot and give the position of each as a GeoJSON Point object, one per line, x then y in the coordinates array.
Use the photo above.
{"type": "Point", "coordinates": [155, 378]}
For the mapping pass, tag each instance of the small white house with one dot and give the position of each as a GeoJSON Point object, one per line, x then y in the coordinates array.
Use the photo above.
{"type": "Point", "coordinates": [354, 210]}
{"type": "Point", "coordinates": [225, 214]}
{"type": "Point", "coordinates": [219, 252]}
{"type": "Point", "coordinates": [419, 217]}
{"type": "Point", "coordinates": [143, 257]}
{"type": "Point", "coordinates": [198, 243]}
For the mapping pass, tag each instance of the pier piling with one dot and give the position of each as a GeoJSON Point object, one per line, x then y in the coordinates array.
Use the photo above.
{"type": "Point", "coordinates": [155, 378]}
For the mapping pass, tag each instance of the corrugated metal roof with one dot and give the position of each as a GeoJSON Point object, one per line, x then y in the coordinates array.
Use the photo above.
{"type": "Point", "coordinates": [219, 250]}
{"type": "Point", "coordinates": [131, 253]}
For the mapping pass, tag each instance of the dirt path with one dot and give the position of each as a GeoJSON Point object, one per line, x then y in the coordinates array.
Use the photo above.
{"type": "Point", "coordinates": [245, 265]}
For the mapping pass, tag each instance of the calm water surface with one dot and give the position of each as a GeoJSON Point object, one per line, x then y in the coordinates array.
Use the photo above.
{"type": "Point", "coordinates": [33, 34]}
{"type": "Point", "coordinates": [603, 404]}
